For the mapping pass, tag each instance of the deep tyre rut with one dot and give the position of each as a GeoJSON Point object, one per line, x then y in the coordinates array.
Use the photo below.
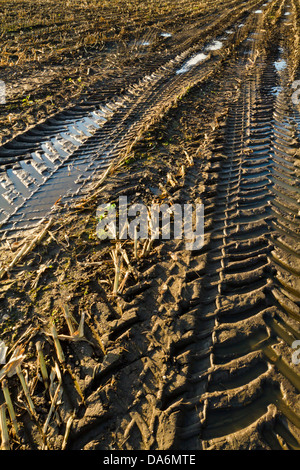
{"type": "Point", "coordinates": [195, 352]}
{"type": "Point", "coordinates": [71, 149]}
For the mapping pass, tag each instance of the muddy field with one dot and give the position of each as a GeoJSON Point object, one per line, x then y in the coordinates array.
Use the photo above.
{"type": "Point", "coordinates": [182, 102]}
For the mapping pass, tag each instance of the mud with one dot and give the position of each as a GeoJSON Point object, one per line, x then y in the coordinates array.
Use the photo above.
{"type": "Point", "coordinates": [195, 350]}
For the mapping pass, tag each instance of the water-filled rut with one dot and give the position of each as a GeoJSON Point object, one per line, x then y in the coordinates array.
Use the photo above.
{"type": "Point", "coordinates": [196, 351]}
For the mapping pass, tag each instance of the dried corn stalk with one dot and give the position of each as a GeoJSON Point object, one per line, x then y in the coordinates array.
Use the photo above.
{"type": "Point", "coordinates": [4, 431]}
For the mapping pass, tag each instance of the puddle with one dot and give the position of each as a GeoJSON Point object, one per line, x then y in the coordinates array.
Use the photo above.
{"type": "Point", "coordinates": [140, 43]}
{"type": "Point", "coordinates": [214, 46]}
{"type": "Point", "coordinates": [287, 13]}
{"type": "Point", "coordinates": [280, 65]}
{"type": "Point", "coordinates": [258, 11]}
{"type": "Point", "coordinates": [166, 35]}
{"type": "Point", "coordinates": [22, 180]}
{"type": "Point", "coordinates": [4, 201]}
{"type": "Point", "coordinates": [21, 183]}
{"type": "Point", "coordinates": [276, 90]}
{"type": "Point", "coordinates": [201, 56]}
{"type": "Point", "coordinates": [191, 62]}
{"type": "Point", "coordinates": [32, 171]}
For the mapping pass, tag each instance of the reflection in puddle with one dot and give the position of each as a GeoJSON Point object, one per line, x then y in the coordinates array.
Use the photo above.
{"type": "Point", "coordinates": [276, 90]}
{"type": "Point", "coordinates": [139, 43]}
{"type": "Point", "coordinates": [214, 46]}
{"type": "Point", "coordinates": [280, 65]}
{"type": "Point", "coordinates": [193, 61]}
{"type": "Point", "coordinates": [21, 181]}
{"type": "Point", "coordinates": [18, 183]}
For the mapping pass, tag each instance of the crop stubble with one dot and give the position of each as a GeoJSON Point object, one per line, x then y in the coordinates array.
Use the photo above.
{"type": "Point", "coordinates": [196, 351]}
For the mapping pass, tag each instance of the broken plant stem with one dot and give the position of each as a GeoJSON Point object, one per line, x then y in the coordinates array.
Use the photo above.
{"type": "Point", "coordinates": [57, 344]}
{"type": "Point", "coordinates": [53, 404]}
{"type": "Point", "coordinates": [171, 180]}
{"type": "Point", "coordinates": [135, 242]}
{"type": "Point", "coordinates": [42, 364]}
{"type": "Point", "coordinates": [26, 249]}
{"type": "Point", "coordinates": [182, 171]}
{"type": "Point", "coordinates": [55, 392]}
{"type": "Point", "coordinates": [117, 259]}
{"type": "Point", "coordinates": [76, 384]}
{"type": "Point", "coordinates": [189, 158]}
{"type": "Point", "coordinates": [67, 432]}
{"type": "Point", "coordinates": [4, 431]}
{"type": "Point", "coordinates": [26, 391]}
{"type": "Point", "coordinates": [81, 325]}
{"type": "Point", "coordinates": [10, 406]}
{"type": "Point", "coordinates": [147, 247]}
{"type": "Point", "coordinates": [126, 259]}
{"type": "Point", "coordinates": [122, 285]}
{"type": "Point", "coordinates": [68, 318]}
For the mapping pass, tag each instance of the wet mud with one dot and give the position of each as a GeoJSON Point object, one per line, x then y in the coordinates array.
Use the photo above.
{"type": "Point", "coordinates": [195, 350]}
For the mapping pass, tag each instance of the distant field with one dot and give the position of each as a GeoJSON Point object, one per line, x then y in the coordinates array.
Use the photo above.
{"type": "Point", "coordinates": [52, 51]}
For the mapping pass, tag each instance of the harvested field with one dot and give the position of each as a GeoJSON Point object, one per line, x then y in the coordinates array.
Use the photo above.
{"type": "Point", "coordinates": [131, 344]}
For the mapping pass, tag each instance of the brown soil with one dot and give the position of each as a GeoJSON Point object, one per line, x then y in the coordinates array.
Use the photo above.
{"type": "Point", "coordinates": [189, 354]}
{"type": "Point", "coordinates": [54, 53]}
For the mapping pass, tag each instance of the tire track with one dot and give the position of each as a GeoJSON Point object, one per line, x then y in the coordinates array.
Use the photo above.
{"type": "Point", "coordinates": [235, 383]}
{"type": "Point", "coordinates": [234, 275]}
{"type": "Point", "coordinates": [29, 190]}
{"type": "Point", "coordinates": [256, 307]}
{"type": "Point", "coordinates": [200, 356]}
